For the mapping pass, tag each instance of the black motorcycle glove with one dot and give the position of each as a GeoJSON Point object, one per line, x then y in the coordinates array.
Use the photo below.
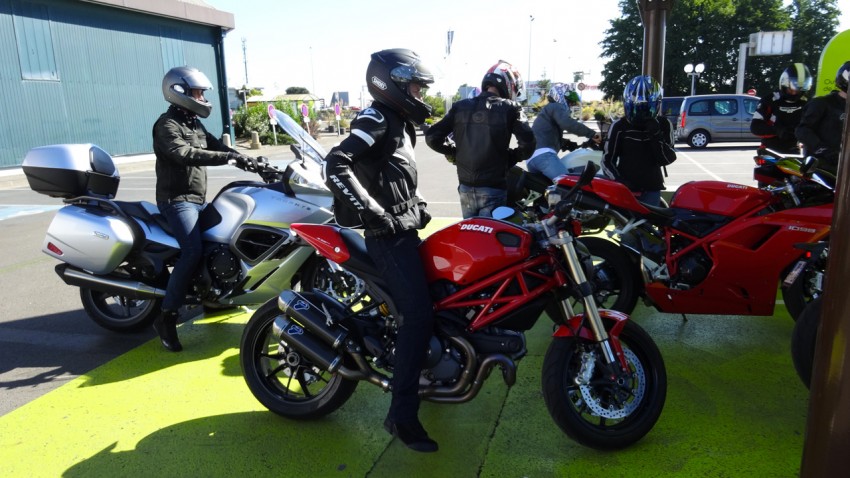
{"type": "Point", "coordinates": [567, 145]}
{"type": "Point", "coordinates": [379, 225]}
{"type": "Point", "coordinates": [262, 162]}
{"type": "Point", "coordinates": [424, 215]}
{"type": "Point", "coordinates": [245, 163]}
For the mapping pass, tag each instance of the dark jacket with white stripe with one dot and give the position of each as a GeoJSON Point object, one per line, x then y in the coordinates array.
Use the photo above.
{"type": "Point", "coordinates": [634, 155]}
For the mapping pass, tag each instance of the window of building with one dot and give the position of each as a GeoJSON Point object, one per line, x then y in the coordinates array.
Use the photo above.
{"type": "Point", "coordinates": [35, 42]}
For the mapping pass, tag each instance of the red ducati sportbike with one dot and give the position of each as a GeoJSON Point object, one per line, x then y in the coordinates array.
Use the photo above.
{"type": "Point", "coordinates": [604, 381]}
{"type": "Point", "coordinates": [720, 248]}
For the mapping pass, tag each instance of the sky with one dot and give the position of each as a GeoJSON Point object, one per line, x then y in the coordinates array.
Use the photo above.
{"type": "Point", "coordinates": [325, 45]}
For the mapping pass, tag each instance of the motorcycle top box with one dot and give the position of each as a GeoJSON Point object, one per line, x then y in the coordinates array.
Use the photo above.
{"type": "Point", "coordinates": [71, 170]}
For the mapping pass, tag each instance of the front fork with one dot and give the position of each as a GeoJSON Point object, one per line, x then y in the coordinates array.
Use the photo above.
{"type": "Point", "coordinates": [566, 242]}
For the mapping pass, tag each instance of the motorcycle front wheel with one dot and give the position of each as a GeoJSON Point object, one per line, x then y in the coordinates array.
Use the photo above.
{"type": "Point", "coordinates": [282, 379]}
{"type": "Point", "coordinates": [602, 414]}
{"type": "Point", "coordinates": [117, 312]}
{"type": "Point", "coordinates": [803, 340]}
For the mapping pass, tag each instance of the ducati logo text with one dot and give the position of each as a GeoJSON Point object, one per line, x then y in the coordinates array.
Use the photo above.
{"type": "Point", "coordinates": [477, 228]}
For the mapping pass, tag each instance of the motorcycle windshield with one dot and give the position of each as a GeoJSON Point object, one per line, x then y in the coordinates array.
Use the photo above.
{"type": "Point", "coordinates": [306, 173]}
{"type": "Point", "coordinates": [310, 148]}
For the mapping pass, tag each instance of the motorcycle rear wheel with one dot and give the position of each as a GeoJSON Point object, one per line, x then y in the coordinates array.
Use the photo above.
{"type": "Point", "coordinates": [283, 380]}
{"type": "Point", "coordinates": [803, 340]}
{"type": "Point", "coordinates": [117, 312]}
{"type": "Point", "coordinates": [608, 423]}
{"type": "Point", "coordinates": [801, 292]}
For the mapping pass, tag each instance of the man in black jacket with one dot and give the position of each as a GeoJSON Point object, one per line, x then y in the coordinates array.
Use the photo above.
{"type": "Point", "coordinates": [822, 126]}
{"type": "Point", "coordinates": [476, 135]}
{"type": "Point", "coordinates": [373, 176]}
{"type": "Point", "coordinates": [640, 144]}
{"type": "Point", "coordinates": [183, 147]}
{"type": "Point", "coordinates": [778, 114]}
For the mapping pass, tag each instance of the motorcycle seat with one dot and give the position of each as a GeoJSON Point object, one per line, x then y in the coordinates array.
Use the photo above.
{"type": "Point", "coordinates": [145, 211]}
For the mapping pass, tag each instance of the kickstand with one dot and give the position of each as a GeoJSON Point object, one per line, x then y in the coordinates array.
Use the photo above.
{"type": "Point", "coordinates": [684, 318]}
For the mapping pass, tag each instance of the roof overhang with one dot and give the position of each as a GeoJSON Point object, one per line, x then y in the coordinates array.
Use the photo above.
{"type": "Point", "coordinates": [193, 11]}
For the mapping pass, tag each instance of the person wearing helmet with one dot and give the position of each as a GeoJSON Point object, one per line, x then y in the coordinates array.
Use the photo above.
{"type": "Point", "coordinates": [640, 144]}
{"type": "Point", "coordinates": [372, 174]}
{"type": "Point", "coordinates": [183, 147]}
{"type": "Point", "coordinates": [476, 134]}
{"type": "Point", "coordinates": [822, 124]}
{"type": "Point", "coordinates": [548, 130]}
{"type": "Point", "coordinates": [777, 115]}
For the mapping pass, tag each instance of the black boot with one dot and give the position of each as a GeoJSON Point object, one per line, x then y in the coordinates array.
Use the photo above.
{"type": "Point", "coordinates": [166, 326]}
{"type": "Point", "coordinates": [412, 434]}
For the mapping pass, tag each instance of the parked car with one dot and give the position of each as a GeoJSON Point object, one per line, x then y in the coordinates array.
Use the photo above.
{"type": "Point", "coordinates": [716, 118]}
{"type": "Point", "coordinates": [670, 107]}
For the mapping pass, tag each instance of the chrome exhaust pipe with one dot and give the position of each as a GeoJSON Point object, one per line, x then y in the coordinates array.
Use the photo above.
{"type": "Point", "coordinates": [111, 285]}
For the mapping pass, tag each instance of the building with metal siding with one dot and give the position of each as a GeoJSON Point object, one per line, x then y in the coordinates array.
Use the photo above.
{"type": "Point", "coordinates": [74, 71]}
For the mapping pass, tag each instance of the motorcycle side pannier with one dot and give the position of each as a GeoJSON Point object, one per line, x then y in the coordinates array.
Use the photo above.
{"type": "Point", "coordinates": [71, 170]}
{"type": "Point", "coordinates": [90, 238]}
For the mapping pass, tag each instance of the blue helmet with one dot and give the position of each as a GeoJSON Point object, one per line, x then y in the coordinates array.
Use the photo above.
{"type": "Point", "coordinates": [642, 99]}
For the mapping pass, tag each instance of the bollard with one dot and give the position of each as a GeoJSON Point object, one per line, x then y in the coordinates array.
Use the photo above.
{"type": "Point", "coordinates": [225, 138]}
{"type": "Point", "coordinates": [255, 140]}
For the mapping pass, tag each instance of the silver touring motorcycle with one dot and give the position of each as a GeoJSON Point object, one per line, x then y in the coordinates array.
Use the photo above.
{"type": "Point", "coordinates": [120, 253]}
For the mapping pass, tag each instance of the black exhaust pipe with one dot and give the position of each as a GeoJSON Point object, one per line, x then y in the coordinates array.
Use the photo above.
{"type": "Point", "coordinates": [296, 337]}
{"type": "Point", "coordinates": [312, 318]}
{"type": "Point", "coordinates": [111, 285]}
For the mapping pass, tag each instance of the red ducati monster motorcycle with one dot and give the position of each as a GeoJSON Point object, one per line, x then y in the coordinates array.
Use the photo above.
{"type": "Point", "coordinates": [720, 248]}
{"type": "Point", "coordinates": [603, 380]}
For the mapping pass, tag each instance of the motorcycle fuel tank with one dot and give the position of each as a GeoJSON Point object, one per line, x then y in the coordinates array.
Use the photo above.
{"type": "Point", "coordinates": [718, 197]}
{"type": "Point", "coordinates": [473, 248]}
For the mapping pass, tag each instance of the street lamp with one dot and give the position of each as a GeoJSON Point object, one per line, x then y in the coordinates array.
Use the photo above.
{"type": "Point", "coordinates": [530, 19]}
{"type": "Point", "coordinates": [693, 72]}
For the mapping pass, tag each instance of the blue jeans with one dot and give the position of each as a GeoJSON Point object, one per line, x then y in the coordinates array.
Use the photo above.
{"type": "Point", "coordinates": [182, 216]}
{"type": "Point", "coordinates": [547, 164]}
{"type": "Point", "coordinates": [653, 198]}
{"type": "Point", "coordinates": [398, 261]}
{"type": "Point", "coordinates": [480, 201]}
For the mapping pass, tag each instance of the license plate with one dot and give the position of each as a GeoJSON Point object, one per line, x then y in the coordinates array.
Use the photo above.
{"type": "Point", "coordinates": [795, 272]}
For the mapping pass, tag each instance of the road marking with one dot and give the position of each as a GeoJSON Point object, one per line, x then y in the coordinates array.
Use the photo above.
{"type": "Point", "coordinates": [699, 165]}
{"type": "Point", "coordinates": [9, 211]}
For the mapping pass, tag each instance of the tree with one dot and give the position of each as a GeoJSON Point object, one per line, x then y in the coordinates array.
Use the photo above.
{"type": "Point", "coordinates": [710, 32]}
{"type": "Point", "coordinates": [297, 90]}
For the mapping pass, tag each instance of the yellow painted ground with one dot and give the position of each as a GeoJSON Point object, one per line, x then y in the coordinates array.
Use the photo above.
{"type": "Point", "coordinates": [735, 408]}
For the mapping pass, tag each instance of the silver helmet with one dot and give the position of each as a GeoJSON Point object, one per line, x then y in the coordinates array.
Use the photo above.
{"type": "Point", "coordinates": [177, 86]}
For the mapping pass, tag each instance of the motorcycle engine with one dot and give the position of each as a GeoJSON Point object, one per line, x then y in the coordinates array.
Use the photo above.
{"type": "Point", "coordinates": [223, 267]}
{"type": "Point", "coordinates": [693, 268]}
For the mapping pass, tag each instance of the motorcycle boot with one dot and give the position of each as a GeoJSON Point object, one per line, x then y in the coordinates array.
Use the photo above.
{"type": "Point", "coordinates": [166, 326]}
{"type": "Point", "coordinates": [412, 434]}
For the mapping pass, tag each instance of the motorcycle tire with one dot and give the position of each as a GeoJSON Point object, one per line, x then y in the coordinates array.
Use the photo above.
{"type": "Point", "coordinates": [117, 312]}
{"type": "Point", "coordinates": [615, 280]}
{"type": "Point", "coordinates": [283, 380]}
{"type": "Point", "coordinates": [616, 423]}
{"type": "Point", "coordinates": [803, 340]}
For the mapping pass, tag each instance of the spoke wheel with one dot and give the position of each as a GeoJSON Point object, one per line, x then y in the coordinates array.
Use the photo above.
{"type": "Point", "coordinates": [282, 379]}
{"type": "Point", "coordinates": [117, 312]}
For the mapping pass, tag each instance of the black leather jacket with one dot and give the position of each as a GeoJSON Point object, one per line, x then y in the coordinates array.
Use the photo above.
{"type": "Point", "coordinates": [822, 128]}
{"type": "Point", "coordinates": [182, 147]}
{"type": "Point", "coordinates": [774, 121]}
{"type": "Point", "coordinates": [373, 171]}
{"type": "Point", "coordinates": [482, 128]}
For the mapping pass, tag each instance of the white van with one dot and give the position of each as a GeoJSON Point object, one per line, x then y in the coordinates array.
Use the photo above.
{"type": "Point", "coordinates": [716, 118]}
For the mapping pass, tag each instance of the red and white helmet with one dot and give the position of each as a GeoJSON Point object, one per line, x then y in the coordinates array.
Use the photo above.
{"type": "Point", "coordinates": [506, 78]}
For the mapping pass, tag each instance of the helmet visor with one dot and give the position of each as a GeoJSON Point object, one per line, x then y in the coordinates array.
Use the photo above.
{"type": "Point", "coordinates": [411, 74]}
{"type": "Point", "coordinates": [196, 80]}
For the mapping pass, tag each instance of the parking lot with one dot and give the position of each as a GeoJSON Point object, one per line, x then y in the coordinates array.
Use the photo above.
{"type": "Point", "coordinates": [78, 400]}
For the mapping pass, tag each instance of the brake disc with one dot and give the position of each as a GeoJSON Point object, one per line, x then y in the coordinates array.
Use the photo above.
{"type": "Point", "coordinates": [620, 409]}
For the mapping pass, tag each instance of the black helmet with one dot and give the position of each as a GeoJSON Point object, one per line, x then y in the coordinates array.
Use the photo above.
{"type": "Point", "coordinates": [795, 82]}
{"type": "Point", "coordinates": [842, 76]}
{"type": "Point", "coordinates": [177, 86]}
{"type": "Point", "coordinates": [505, 77]}
{"type": "Point", "coordinates": [388, 76]}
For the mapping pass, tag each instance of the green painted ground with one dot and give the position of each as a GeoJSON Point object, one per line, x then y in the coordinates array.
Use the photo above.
{"type": "Point", "coordinates": [735, 408]}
